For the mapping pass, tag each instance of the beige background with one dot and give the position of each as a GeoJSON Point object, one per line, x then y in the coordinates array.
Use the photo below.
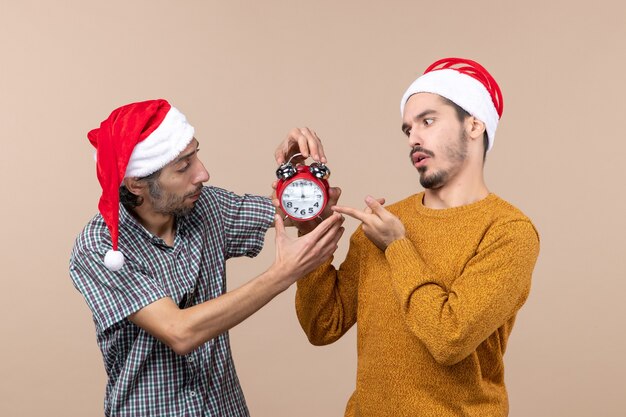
{"type": "Point", "coordinates": [245, 73]}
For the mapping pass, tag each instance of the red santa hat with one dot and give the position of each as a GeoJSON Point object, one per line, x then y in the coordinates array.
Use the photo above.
{"type": "Point", "coordinates": [136, 140]}
{"type": "Point", "coordinates": [467, 84]}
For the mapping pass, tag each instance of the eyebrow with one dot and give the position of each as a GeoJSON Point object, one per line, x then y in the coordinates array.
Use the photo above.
{"type": "Point", "coordinates": [187, 155]}
{"type": "Point", "coordinates": [423, 114]}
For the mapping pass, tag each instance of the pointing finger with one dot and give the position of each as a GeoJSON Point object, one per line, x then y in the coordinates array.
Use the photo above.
{"type": "Point", "coordinates": [352, 212]}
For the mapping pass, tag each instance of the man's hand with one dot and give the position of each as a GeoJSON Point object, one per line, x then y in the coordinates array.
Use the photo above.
{"type": "Point", "coordinates": [307, 226]}
{"type": "Point", "coordinates": [302, 140]}
{"type": "Point", "coordinates": [296, 257]}
{"type": "Point", "coordinates": [306, 142]}
{"type": "Point", "coordinates": [379, 225]}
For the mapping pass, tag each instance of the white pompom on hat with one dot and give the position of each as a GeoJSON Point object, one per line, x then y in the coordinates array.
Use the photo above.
{"type": "Point", "coordinates": [467, 84]}
{"type": "Point", "coordinates": [136, 140]}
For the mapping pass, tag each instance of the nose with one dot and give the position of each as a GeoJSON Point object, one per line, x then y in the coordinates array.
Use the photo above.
{"type": "Point", "coordinates": [202, 175]}
{"type": "Point", "coordinates": [414, 139]}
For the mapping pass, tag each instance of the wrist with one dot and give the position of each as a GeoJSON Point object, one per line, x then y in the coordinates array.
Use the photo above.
{"type": "Point", "coordinates": [395, 243]}
{"type": "Point", "coordinates": [277, 279]}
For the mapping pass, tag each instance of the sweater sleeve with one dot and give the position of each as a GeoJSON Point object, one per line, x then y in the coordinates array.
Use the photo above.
{"type": "Point", "coordinates": [326, 299]}
{"type": "Point", "coordinates": [494, 284]}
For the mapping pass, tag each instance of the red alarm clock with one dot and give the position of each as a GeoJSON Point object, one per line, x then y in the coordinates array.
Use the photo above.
{"type": "Point", "coordinates": [302, 190]}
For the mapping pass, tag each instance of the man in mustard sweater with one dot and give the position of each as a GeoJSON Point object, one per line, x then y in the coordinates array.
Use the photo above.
{"type": "Point", "coordinates": [434, 281]}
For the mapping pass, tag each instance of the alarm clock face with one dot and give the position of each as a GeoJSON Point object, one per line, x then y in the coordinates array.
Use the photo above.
{"type": "Point", "coordinates": [303, 199]}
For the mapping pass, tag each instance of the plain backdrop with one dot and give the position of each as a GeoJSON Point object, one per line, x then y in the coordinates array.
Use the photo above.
{"type": "Point", "coordinates": [244, 73]}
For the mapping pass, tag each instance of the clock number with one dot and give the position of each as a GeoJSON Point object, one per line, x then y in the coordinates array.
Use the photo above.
{"type": "Point", "coordinates": [303, 212]}
{"type": "Point", "coordinates": [316, 204]}
{"type": "Point", "coordinates": [310, 210]}
{"type": "Point", "coordinates": [288, 205]}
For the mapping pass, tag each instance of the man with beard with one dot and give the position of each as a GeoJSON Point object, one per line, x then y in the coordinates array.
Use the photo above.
{"type": "Point", "coordinates": [151, 266]}
{"type": "Point", "coordinates": [433, 282]}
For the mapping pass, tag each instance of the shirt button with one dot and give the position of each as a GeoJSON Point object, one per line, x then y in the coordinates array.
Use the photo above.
{"type": "Point", "coordinates": [190, 359]}
{"type": "Point", "coordinates": [192, 393]}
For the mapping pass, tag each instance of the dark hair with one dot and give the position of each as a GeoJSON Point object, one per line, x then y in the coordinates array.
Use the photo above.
{"type": "Point", "coordinates": [130, 200]}
{"type": "Point", "coordinates": [461, 114]}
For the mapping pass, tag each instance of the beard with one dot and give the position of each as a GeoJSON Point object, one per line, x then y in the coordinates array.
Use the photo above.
{"type": "Point", "coordinates": [170, 203]}
{"type": "Point", "coordinates": [456, 153]}
{"type": "Point", "coordinates": [434, 180]}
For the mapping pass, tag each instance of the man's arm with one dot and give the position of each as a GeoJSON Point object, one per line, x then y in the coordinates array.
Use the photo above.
{"type": "Point", "coordinates": [186, 329]}
{"type": "Point", "coordinates": [452, 321]}
{"type": "Point", "coordinates": [183, 330]}
{"type": "Point", "coordinates": [327, 298]}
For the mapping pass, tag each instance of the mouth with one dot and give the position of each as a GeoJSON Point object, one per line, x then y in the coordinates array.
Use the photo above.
{"type": "Point", "coordinates": [195, 195]}
{"type": "Point", "coordinates": [419, 159]}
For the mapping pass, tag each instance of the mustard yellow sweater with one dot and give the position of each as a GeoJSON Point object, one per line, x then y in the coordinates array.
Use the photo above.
{"type": "Point", "coordinates": [434, 311]}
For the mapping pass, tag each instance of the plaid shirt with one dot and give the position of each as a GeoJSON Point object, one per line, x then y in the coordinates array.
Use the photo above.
{"type": "Point", "coordinates": [146, 377]}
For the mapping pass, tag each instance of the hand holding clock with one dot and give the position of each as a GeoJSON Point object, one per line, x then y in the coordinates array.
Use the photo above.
{"type": "Point", "coordinates": [296, 257]}
{"type": "Point", "coordinates": [300, 140]}
{"type": "Point", "coordinates": [302, 194]}
{"type": "Point", "coordinates": [379, 225]}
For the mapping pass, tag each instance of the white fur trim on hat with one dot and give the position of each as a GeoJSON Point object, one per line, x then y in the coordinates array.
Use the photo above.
{"type": "Point", "coordinates": [162, 146]}
{"type": "Point", "coordinates": [464, 90]}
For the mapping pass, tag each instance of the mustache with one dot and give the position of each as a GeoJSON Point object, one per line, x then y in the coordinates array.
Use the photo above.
{"type": "Point", "coordinates": [421, 150]}
{"type": "Point", "coordinates": [198, 189]}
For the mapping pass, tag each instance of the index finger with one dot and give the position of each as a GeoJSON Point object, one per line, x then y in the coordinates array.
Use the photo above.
{"type": "Point", "coordinates": [314, 145]}
{"type": "Point", "coordinates": [352, 212]}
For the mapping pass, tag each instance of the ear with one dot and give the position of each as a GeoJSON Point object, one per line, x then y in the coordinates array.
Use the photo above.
{"type": "Point", "coordinates": [474, 128]}
{"type": "Point", "coordinates": [135, 186]}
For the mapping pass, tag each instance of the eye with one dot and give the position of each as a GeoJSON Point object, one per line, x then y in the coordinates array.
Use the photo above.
{"type": "Point", "coordinates": [184, 168]}
{"type": "Point", "coordinates": [428, 121]}
{"type": "Point", "coordinates": [407, 132]}
{"type": "Point", "coordinates": [188, 161]}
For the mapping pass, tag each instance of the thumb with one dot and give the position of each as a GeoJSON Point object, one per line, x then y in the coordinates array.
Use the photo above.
{"type": "Point", "coordinates": [375, 204]}
{"type": "Point", "coordinates": [279, 225]}
{"type": "Point", "coordinates": [333, 195]}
